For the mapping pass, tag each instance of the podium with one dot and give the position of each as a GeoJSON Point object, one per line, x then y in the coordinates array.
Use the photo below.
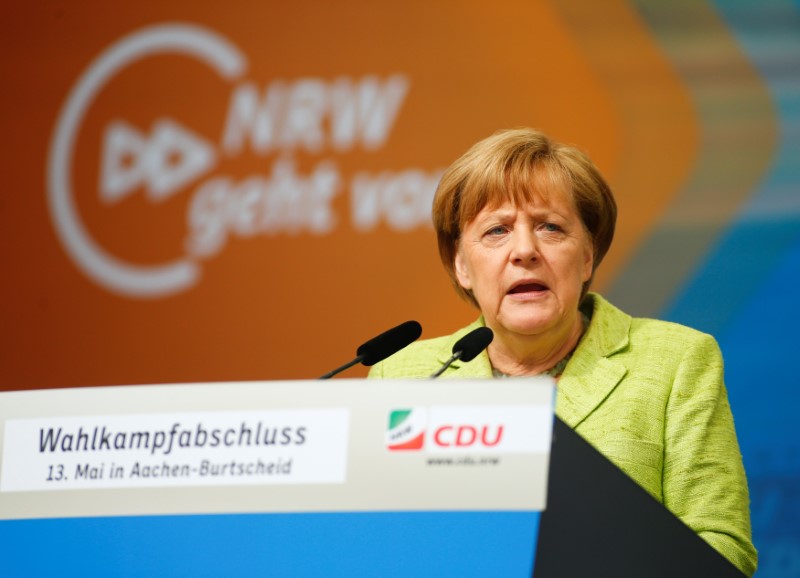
{"type": "Point", "coordinates": [600, 523]}
{"type": "Point", "coordinates": [341, 478]}
{"type": "Point", "coordinates": [295, 478]}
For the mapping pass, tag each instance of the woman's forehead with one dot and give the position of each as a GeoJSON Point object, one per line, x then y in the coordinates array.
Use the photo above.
{"type": "Point", "coordinates": [556, 198]}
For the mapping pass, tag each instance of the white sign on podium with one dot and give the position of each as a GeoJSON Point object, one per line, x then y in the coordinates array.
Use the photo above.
{"type": "Point", "coordinates": [356, 461]}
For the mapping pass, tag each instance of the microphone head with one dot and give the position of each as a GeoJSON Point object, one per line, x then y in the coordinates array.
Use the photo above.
{"type": "Point", "coordinates": [389, 342]}
{"type": "Point", "coordinates": [473, 343]}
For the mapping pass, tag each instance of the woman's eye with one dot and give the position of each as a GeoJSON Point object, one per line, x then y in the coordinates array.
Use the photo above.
{"type": "Point", "coordinates": [550, 227]}
{"type": "Point", "coordinates": [498, 230]}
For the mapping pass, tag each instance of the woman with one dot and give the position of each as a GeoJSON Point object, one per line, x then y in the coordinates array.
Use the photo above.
{"type": "Point", "coordinates": [522, 224]}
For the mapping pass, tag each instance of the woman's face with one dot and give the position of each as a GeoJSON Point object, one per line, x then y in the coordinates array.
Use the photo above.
{"type": "Point", "coordinates": [526, 266]}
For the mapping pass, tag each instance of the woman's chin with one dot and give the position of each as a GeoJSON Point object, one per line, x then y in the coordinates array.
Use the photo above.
{"type": "Point", "coordinates": [529, 327]}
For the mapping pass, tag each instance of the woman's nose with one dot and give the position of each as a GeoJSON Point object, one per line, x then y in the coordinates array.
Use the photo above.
{"type": "Point", "coordinates": [524, 247]}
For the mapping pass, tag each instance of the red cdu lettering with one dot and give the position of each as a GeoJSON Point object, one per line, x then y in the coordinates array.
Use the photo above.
{"type": "Point", "coordinates": [437, 436]}
{"type": "Point", "coordinates": [485, 436]}
{"type": "Point", "coordinates": [466, 436]}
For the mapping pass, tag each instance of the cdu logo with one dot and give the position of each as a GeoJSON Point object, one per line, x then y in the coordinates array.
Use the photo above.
{"type": "Point", "coordinates": [406, 430]}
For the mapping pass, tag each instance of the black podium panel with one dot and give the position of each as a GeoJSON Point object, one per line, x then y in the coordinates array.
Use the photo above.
{"type": "Point", "coordinates": [600, 523]}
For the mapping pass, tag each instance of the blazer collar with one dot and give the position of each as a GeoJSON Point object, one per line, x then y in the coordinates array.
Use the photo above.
{"type": "Point", "coordinates": [591, 375]}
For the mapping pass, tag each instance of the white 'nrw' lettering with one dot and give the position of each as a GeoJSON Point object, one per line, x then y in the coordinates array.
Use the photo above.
{"type": "Point", "coordinates": [311, 114]}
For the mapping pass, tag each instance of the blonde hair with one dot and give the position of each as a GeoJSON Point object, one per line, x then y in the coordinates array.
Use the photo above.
{"type": "Point", "coordinates": [513, 165]}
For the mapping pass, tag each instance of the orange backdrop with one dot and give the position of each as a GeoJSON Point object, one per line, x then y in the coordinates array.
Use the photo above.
{"type": "Point", "coordinates": [279, 160]}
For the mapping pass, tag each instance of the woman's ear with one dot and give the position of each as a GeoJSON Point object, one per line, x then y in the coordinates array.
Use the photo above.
{"type": "Point", "coordinates": [462, 271]}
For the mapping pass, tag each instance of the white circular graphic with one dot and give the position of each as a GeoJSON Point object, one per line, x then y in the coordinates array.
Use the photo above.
{"type": "Point", "coordinates": [107, 270]}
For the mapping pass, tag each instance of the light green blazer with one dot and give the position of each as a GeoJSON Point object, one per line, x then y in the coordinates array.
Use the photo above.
{"type": "Point", "coordinates": [650, 396]}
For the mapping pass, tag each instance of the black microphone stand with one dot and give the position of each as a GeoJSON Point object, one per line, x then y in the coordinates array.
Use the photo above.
{"type": "Point", "coordinates": [340, 369]}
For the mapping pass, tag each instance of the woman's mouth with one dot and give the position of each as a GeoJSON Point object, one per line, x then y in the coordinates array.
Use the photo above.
{"type": "Point", "coordinates": [527, 288]}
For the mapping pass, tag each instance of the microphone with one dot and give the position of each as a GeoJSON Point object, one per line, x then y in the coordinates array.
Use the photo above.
{"type": "Point", "coordinates": [468, 347]}
{"type": "Point", "coordinates": [380, 347]}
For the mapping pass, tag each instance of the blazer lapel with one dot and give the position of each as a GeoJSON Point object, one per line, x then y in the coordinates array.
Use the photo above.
{"type": "Point", "coordinates": [591, 375]}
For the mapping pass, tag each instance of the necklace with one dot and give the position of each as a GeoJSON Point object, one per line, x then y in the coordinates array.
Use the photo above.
{"type": "Point", "coordinates": [554, 371]}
